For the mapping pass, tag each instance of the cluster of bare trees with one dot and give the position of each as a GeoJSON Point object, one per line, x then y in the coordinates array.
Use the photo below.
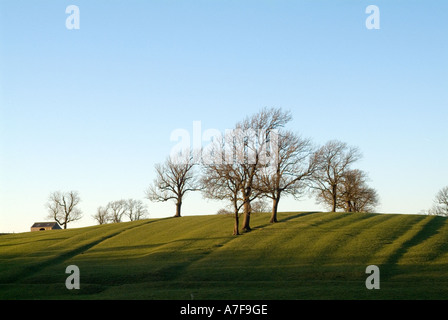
{"type": "Point", "coordinates": [258, 160]}
{"type": "Point", "coordinates": [336, 184]}
{"type": "Point", "coordinates": [261, 159]}
{"type": "Point", "coordinates": [114, 211]}
{"type": "Point", "coordinates": [63, 208]}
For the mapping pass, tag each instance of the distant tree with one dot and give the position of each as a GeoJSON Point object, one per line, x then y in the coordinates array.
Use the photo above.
{"type": "Point", "coordinates": [62, 207]}
{"type": "Point", "coordinates": [333, 160]}
{"type": "Point", "coordinates": [174, 178]}
{"type": "Point", "coordinates": [135, 210]}
{"type": "Point", "coordinates": [440, 206]}
{"type": "Point", "coordinates": [102, 215]}
{"type": "Point", "coordinates": [354, 195]}
{"type": "Point", "coordinates": [116, 210]}
{"type": "Point", "coordinates": [260, 206]}
{"type": "Point", "coordinates": [442, 201]}
{"type": "Point", "coordinates": [290, 172]}
{"type": "Point", "coordinates": [224, 211]}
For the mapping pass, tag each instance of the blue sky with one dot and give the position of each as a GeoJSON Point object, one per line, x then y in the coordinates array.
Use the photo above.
{"type": "Point", "coordinates": [93, 109]}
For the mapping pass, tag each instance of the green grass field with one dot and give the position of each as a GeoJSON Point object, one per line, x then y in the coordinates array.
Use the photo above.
{"type": "Point", "coordinates": [304, 256]}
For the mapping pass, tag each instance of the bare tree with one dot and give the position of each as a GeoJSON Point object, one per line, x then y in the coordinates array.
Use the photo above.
{"type": "Point", "coordinates": [224, 211]}
{"type": "Point", "coordinates": [221, 181]}
{"type": "Point", "coordinates": [63, 208]}
{"type": "Point", "coordinates": [291, 172]}
{"type": "Point", "coordinates": [353, 193]}
{"type": "Point", "coordinates": [238, 158]}
{"type": "Point", "coordinates": [440, 206]}
{"type": "Point", "coordinates": [259, 206]}
{"type": "Point", "coordinates": [442, 201]}
{"type": "Point", "coordinates": [174, 178]}
{"type": "Point", "coordinates": [102, 215]}
{"type": "Point", "coordinates": [135, 210]}
{"type": "Point", "coordinates": [116, 210]}
{"type": "Point", "coordinates": [258, 145]}
{"type": "Point", "coordinates": [231, 173]}
{"type": "Point", "coordinates": [334, 158]}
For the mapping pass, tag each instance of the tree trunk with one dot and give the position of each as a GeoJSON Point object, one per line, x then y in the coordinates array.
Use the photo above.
{"type": "Point", "coordinates": [246, 221]}
{"type": "Point", "coordinates": [334, 196]}
{"type": "Point", "coordinates": [246, 204]}
{"type": "Point", "coordinates": [274, 209]}
{"type": "Point", "coordinates": [236, 226]}
{"type": "Point", "coordinates": [178, 208]}
{"type": "Point", "coordinates": [65, 220]}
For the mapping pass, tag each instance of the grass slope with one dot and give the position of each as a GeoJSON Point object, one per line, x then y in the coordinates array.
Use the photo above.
{"type": "Point", "coordinates": [304, 256]}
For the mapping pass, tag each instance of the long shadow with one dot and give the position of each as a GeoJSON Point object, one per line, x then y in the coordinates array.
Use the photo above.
{"type": "Point", "coordinates": [298, 215]}
{"type": "Point", "coordinates": [289, 217]}
{"type": "Point", "coordinates": [175, 270]}
{"type": "Point", "coordinates": [155, 245]}
{"type": "Point", "coordinates": [39, 266]}
{"type": "Point", "coordinates": [428, 230]}
{"type": "Point", "coordinates": [31, 241]}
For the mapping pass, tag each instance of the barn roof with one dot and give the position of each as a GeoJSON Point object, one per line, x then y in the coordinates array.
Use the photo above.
{"type": "Point", "coordinates": [44, 224]}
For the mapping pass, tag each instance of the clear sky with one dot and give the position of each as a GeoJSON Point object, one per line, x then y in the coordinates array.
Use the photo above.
{"type": "Point", "coordinates": [92, 109]}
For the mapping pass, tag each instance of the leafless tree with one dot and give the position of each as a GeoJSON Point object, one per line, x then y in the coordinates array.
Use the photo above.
{"type": "Point", "coordinates": [258, 145]}
{"type": "Point", "coordinates": [440, 206]}
{"type": "Point", "coordinates": [231, 173]}
{"type": "Point", "coordinates": [116, 210]}
{"type": "Point", "coordinates": [174, 178]}
{"type": "Point", "coordinates": [442, 201]}
{"type": "Point", "coordinates": [221, 181]}
{"type": "Point", "coordinates": [135, 210]}
{"type": "Point", "coordinates": [224, 211]}
{"type": "Point", "coordinates": [102, 215]}
{"type": "Point", "coordinates": [354, 195]}
{"type": "Point", "coordinates": [291, 172]}
{"type": "Point", "coordinates": [259, 206]}
{"type": "Point", "coordinates": [334, 159]}
{"type": "Point", "coordinates": [62, 207]}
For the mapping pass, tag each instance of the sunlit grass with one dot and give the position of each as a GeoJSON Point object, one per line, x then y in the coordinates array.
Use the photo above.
{"type": "Point", "coordinates": [304, 256]}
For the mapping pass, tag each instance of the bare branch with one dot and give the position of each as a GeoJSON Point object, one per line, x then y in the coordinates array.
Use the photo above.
{"type": "Point", "coordinates": [174, 178]}
{"type": "Point", "coordinates": [291, 171]}
{"type": "Point", "coordinates": [354, 194]}
{"type": "Point", "coordinates": [62, 207]}
{"type": "Point", "coordinates": [135, 210]}
{"type": "Point", "coordinates": [116, 210]}
{"type": "Point", "coordinates": [440, 206]}
{"type": "Point", "coordinates": [334, 158]}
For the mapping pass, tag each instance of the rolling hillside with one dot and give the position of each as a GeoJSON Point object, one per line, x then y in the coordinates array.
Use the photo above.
{"type": "Point", "coordinates": [304, 256]}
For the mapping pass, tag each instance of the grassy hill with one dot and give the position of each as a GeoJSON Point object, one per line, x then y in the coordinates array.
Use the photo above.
{"type": "Point", "coordinates": [304, 256]}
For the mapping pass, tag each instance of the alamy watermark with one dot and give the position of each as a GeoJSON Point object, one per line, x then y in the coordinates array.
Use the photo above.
{"type": "Point", "coordinates": [73, 280]}
{"type": "Point", "coordinates": [373, 20]}
{"type": "Point", "coordinates": [73, 20]}
{"type": "Point", "coordinates": [373, 280]}
{"type": "Point", "coordinates": [233, 146]}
